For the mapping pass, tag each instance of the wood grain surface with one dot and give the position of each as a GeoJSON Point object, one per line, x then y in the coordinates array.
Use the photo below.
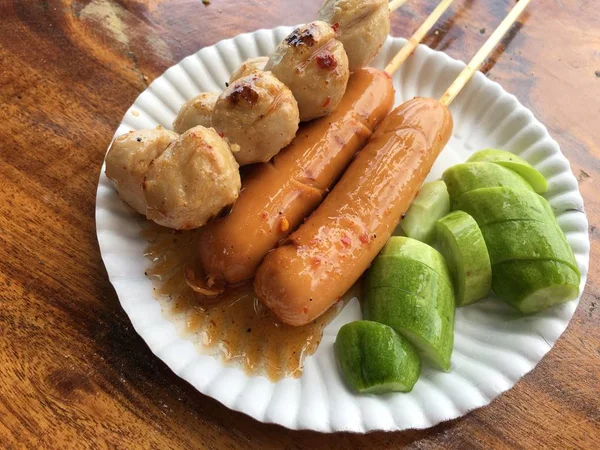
{"type": "Point", "coordinates": [74, 374]}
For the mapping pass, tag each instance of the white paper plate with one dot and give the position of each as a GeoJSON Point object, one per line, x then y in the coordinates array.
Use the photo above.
{"type": "Point", "coordinates": [494, 345]}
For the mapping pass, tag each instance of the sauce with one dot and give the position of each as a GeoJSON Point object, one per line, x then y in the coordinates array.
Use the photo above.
{"type": "Point", "coordinates": [234, 326]}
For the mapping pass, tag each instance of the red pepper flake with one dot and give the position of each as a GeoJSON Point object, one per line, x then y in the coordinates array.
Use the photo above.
{"type": "Point", "coordinates": [313, 242]}
{"type": "Point", "coordinates": [264, 215]}
{"type": "Point", "coordinates": [364, 238]}
{"type": "Point", "coordinates": [326, 61]}
{"type": "Point", "coordinates": [326, 102]}
{"type": "Point", "coordinates": [316, 261]}
{"type": "Point", "coordinates": [346, 241]}
{"type": "Point", "coordinates": [220, 134]}
{"type": "Point", "coordinates": [335, 26]}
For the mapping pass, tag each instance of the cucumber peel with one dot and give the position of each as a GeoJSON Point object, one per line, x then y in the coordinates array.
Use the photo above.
{"type": "Point", "coordinates": [527, 239]}
{"type": "Point", "coordinates": [467, 177]}
{"type": "Point", "coordinates": [375, 359]}
{"type": "Point", "coordinates": [533, 285]}
{"type": "Point", "coordinates": [513, 162]}
{"type": "Point", "coordinates": [461, 242]}
{"type": "Point", "coordinates": [500, 204]}
{"type": "Point", "coordinates": [432, 203]}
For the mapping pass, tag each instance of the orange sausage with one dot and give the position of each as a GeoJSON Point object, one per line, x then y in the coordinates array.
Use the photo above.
{"type": "Point", "coordinates": [278, 195]}
{"type": "Point", "coordinates": [319, 262]}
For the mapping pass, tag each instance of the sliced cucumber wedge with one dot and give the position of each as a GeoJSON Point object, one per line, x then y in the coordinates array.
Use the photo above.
{"type": "Point", "coordinates": [461, 242]}
{"type": "Point", "coordinates": [526, 239]}
{"type": "Point", "coordinates": [401, 247]}
{"type": "Point", "coordinates": [432, 203]}
{"type": "Point", "coordinates": [427, 323]}
{"type": "Point", "coordinates": [533, 285]}
{"type": "Point", "coordinates": [375, 359]}
{"type": "Point", "coordinates": [513, 162]}
{"type": "Point", "coordinates": [467, 177]}
{"type": "Point", "coordinates": [500, 204]}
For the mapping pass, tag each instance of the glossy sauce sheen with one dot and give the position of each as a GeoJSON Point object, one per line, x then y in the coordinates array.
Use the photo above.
{"type": "Point", "coordinates": [235, 326]}
{"type": "Point", "coordinates": [300, 280]}
{"type": "Point", "coordinates": [278, 195]}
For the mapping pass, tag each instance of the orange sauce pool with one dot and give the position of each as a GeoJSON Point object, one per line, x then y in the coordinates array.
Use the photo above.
{"type": "Point", "coordinates": [235, 326]}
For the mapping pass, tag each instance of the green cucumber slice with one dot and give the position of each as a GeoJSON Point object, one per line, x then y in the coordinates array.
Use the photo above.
{"type": "Point", "coordinates": [513, 162]}
{"type": "Point", "coordinates": [533, 285]}
{"type": "Point", "coordinates": [427, 323]}
{"type": "Point", "coordinates": [461, 242]}
{"type": "Point", "coordinates": [375, 359]}
{"type": "Point", "coordinates": [526, 239]}
{"type": "Point", "coordinates": [466, 177]}
{"type": "Point", "coordinates": [500, 204]}
{"type": "Point", "coordinates": [406, 248]}
{"type": "Point", "coordinates": [432, 203]}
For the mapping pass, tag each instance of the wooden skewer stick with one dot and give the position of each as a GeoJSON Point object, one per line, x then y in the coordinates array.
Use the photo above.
{"type": "Point", "coordinates": [483, 53]}
{"type": "Point", "coordinates": [395, 4]}
{"type": "Point", "coordinates": [417, 37]}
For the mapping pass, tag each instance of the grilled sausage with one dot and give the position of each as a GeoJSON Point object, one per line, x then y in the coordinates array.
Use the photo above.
{"type": "Point", "coordinates": [318, 263]}
{"type": "Point", "coordinates": [277, 196]}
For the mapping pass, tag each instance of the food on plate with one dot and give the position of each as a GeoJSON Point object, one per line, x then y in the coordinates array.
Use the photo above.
{"type": "Point", "coordinates": [128, 159]}
{"type": "Point", "coordinates": [409, 288]}
{"type": "Point", "coordinates": [197, 111]}
{"type": "Point", "coordinates": [500, 204]}
{"type": "Point", "coordinates": [313, 64]}
{"type": "Point", "coordinates": [277, 196]}
{"type": "Point", "coordinates": [513, 162]}
{"type": "Point", "coordinates": [362, 26]}
{"type": "Point", "coordinates": [249, 66]}
{"type": "Point", "coordinates": [258, 114]}
{"type": "Point", "coordinates": [461, 242]}
{"type": "Point", "coordinates": [374, 359]}
{"type": "Point", "coordinates": [533, 266]}
{"type": "Point", "coordinates": [466, 177]}
{"type": "Point", "coordinates": [337, 243]}
{"type": "Point", "coordinates": [431, 203]}
{"type": "Point", "coordinates": [192, 181]}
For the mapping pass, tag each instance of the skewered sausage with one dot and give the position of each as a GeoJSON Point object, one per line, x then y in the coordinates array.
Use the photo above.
{"type": "Point", "coordinates": [319, 262]}
{"type": "Point", "coordinates": [259, 114]}
{"type": "Point", "coordinates": [192, 181]}
{"type": "Point", "coordinates": [197, 111]}
{"type": "Point", "coordinates": [313, 64]}
{"type": "Point", "coordinates": [277, 196]}
{"type": "Point", "coordinates": [128, 159]}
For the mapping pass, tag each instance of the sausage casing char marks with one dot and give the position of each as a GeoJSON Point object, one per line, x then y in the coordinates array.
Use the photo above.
{"type": "Point", "coordinates": [319, 262]}
{"type": "Point", "coordinates": [278, 195]}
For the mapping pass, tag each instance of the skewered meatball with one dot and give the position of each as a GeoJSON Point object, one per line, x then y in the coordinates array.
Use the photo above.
{"type": "Point", "coordinates": [314, 65]}
{"type": "Point", "coordinates": [249, 66]}
{"type": "Point", "coordinates": [128, 159]}
{"type": "Point", "coordinates": [363, 27]}
{"type": "Point", "coordinates": [259, 114]}
{"type": "Point", "coordinates": [193, 181]}
{"type": "Point", "coordinates": [197, 111]}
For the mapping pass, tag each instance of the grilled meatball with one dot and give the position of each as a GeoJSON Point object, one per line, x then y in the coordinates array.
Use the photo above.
{"type": "Point", "coordinates": [249, 66]}
{"type": "Point", "coordinates": [193, 181]}
{"type": "Point", "coordinates": [128, 159]}
{"type": "Point", "coordinates": [197, 111]}
{"type": "Point", "coordinates": [314, 65]}
{"type": "Point", "coordinates": [258, 114]}
{"type": "Point", "coordinates": [362, 25]}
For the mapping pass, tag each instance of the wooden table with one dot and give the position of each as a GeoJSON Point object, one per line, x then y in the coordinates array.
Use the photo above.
{"type": "Point", "coordinates": [73, 373]}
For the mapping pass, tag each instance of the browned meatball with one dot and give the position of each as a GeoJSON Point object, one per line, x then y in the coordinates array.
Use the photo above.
{"type": "Point", "coordinates": [314, 65]}
{"type": "Point", "coordinates": [128, 159]}
{"type": "Point", "coordinates": [362, 26]}
{"type": "Point", "coordinates": [258, 114]}
{"type": "Point", "coordinates": [197, 111]}
{"type": "Point", "coordinates": [194, 180]}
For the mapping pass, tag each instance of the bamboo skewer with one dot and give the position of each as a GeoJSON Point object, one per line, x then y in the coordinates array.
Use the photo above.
{"type": "Point", "coordinates": [417, 37]}
{"type": "Point", "coordinates": [395, 4]}
{"type": "Point", "coordinates": [483, 53]}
